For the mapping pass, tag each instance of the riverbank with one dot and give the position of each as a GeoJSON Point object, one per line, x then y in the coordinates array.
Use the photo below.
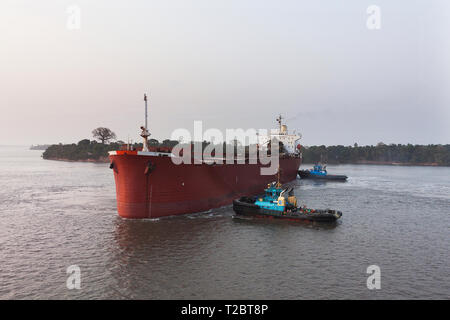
{"type": "Point", "coordinates": [381, 163]}
{"type": "Point", "coordinates": [386, 163]}
{"type": "Point", "coordinates": [99, 160]}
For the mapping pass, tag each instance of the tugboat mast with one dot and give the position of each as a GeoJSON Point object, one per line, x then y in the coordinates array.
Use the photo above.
{"type": "Point", "coordinates": [278, 171]}
{"type": "Point", "coordinates": [278, 185]}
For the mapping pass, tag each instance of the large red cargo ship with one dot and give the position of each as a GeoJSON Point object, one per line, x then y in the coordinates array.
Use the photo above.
{"type": "Point", "coordinates": [169, 189]}
{"type": "Point", "coordinates": [150, 185]}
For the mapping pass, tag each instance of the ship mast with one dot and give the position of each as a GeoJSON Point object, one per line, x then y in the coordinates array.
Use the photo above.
{"type": "Point", "coordinates": [279, 121]}
{"type": "Point", "coordinates": [145, 134]}
{"type": "Point", "coordinates": [146, 116]}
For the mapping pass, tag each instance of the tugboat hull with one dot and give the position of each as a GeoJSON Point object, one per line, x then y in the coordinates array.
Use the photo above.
{"type": "Point", "coordinates": [306, 174]}
{"type": "Point", "coordinates": [244, 207]}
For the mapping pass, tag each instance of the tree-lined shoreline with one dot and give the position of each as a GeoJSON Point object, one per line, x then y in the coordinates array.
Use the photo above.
{"type": "Point", "coordinates": [381, 154]}
{"type": "Point", "coordinates": [393, 154]}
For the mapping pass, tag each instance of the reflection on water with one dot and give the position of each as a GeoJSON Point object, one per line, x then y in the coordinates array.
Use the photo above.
{"type": "Point", "coordinates": [56, 214]}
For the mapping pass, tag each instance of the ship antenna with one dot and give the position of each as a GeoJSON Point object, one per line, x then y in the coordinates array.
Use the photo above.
{"type": "Point", "coordinates": [145, 134]}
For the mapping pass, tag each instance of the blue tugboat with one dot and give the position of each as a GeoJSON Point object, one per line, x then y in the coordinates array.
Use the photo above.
{"type": "Point", "coordinates": [273, 204]}
{"type": "Point", "coordinates": [320, 172]}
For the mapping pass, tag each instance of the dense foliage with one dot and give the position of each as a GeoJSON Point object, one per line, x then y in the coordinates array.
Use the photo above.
{"type": "Point", "coordinates": [381, 153]}
{"type": "Point", "coordinates": [93, 150]}
{"type": "Point", "coordinates": [83, 150]}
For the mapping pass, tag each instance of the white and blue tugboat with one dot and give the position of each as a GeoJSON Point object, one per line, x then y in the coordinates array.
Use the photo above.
{"type": "Point", "coordinates": [279, 203]}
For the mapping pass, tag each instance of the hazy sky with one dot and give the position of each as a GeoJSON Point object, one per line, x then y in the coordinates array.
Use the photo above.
{"type": "Point", "coordinates": [230, 63]}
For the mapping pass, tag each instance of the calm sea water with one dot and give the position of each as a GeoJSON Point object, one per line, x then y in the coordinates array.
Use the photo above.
{"type": "Point", "coordinates": [56, 214]}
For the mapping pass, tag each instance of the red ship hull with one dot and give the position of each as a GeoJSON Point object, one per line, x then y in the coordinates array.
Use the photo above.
{"type": "Point", "coordinates": [152, 186]}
